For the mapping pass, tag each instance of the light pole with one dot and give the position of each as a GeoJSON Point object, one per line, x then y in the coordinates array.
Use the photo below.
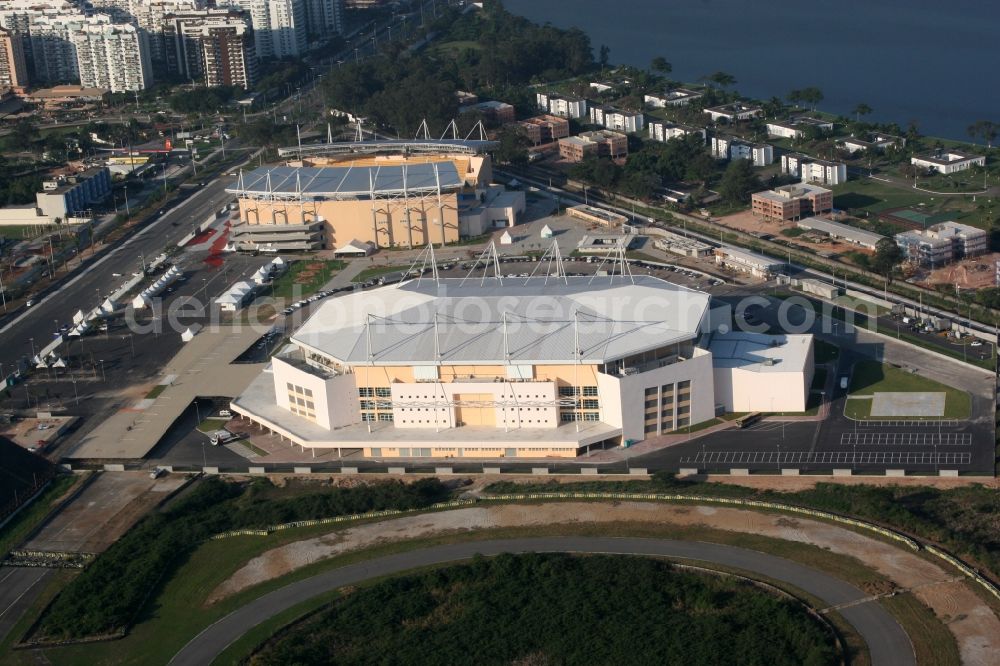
{"type": "Point", "coordinates": [76, 397]}
{"type": "Point", "coordinates": [31, 341]}
{"type": "Point", "coordinates": [104, 377]}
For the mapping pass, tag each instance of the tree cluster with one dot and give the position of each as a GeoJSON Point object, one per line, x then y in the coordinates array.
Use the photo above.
{"type": "Point", "coordinates": [202, 100]}
{"type": "Point", "coordinates": [556, 609]}
{"type": "Point", "coordinates": [108, 595]}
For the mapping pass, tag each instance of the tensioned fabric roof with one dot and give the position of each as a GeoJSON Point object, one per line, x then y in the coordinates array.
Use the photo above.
{"type": "Point", "coordinates": [522, 320]}
{"type": "Point", "coordinates": [350, 181]}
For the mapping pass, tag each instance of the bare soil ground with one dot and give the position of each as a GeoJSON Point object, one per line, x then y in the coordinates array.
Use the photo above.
{"type": "Point", "coordinates": [974, 273]}
{"type": "Point", "coordinates": [103, 512]}
{"type": "Point", "coordinates": [973, 623]}
{"type": "Point", "coordinates": [748, 223]}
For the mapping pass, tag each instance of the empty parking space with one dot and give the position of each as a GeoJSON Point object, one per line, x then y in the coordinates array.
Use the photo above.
{"type": "Point", "coordinates": [906, 439]}
{"type": "Point", "coordinates": [830, 458]}
{"type": "Point", "coordinates": [929, 423]}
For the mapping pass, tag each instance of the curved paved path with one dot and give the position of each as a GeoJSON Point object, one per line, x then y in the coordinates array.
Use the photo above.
{"type": "Point", "coordinates": [886, 639]}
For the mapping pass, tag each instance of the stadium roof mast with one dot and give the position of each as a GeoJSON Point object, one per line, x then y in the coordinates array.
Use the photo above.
{"type": "Point", "coordinates": [427, 260]}
{"type": "Point", "coordinates": [488, 256]}
{"type": "Point", "coordinates": [554, 256]}
{"type": "Point", "coordinates": [618, 260]}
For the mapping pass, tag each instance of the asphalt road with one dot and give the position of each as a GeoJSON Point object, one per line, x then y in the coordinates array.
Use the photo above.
{"type": "Point", "coordinates": [19, 587]}
{"type": "Point", "coordinates": [886, 639]}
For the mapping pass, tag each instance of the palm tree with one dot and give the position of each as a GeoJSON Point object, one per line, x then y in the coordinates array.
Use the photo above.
{"type": "Point", "coordinates": [861, 109]}
{"type": "Point", "coordinates": [721, 79]}
{"type": "Point", "coordinates": [660, 64]}
{"type": "Point", "coordinates": [794, 97]}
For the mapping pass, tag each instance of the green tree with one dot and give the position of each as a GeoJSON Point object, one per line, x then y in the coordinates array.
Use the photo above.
{"type": "Point", "coordinates": [811, 96]}
{"type": "Point", "coordinates": [861, 109]}
{"type": "Point", "coordinates": [660, 65]}
{"type": "Point", "coordinates": [721, 79]}
{"type": "Point", "coordinates": [513, 146]}
{"type": "Point", "coordinates": [986, 129]}
{"type": "Point", "coordinates": [887, 257]}
{"type": "Point", "coordinates": [794, 97]}
{"type": "Point", "coordinates": [604, 56]}
{"type": "Point", "coordinates": [739, 182]}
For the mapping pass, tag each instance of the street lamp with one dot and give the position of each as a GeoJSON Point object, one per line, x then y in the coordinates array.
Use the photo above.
{"type": "Point", "coordinates": [104, 377]}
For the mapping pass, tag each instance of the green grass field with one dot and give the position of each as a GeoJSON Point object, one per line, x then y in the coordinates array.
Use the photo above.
{"type": "Point", "coordinates": [305, 277]}
{"type": "Point", "coordinates": [28, 518]}
{"type": "Point", "coordinates": [871, 377]}
{"type": "Point", "coordinates": [376, 271]}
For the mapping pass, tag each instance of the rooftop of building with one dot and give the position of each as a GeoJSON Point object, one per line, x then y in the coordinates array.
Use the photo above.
{"type": "Point", "coordinates": [734, 107]}
{"type": "Point", "coordinates": [350, 181]}
{"type": "Point", "coordinates": [748, 257]}
{"type": "Point", "coordinates": [790, 192]}
{"type": "Point", "coordinates": [397, 146]}
{"type": "Point", "coordinates": [757, 352]}
{"type": "Point", "coordinates": [513, 320]}
{"type": "Point", "coordinates": [947, 156]}
{"type": "Point", "coordinates": [841, 230]}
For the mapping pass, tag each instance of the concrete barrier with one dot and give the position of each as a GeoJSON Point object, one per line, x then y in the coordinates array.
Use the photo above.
{"type": "Point", "coordinates": [640, 471]}
{"type": "Point", "coordinates": [167, 468]}
{"type": "Point", "coordinates": [114, 467]}
{"type": "Point", "coordinates": [948, 472]}
{"type": "Point", "coordinates": [397, 470]}
{"type": "Point", "coordinates": [542, 471]}
{"type": "Point", "coordinates": [739, 471]}
{"type": "Point", "coordinates": [210, 470]}
{"type": "Point", "coordinates": [491, 470]}
{"type": "Point", "coordinates": [67, 467]}
{"type": "Point", "coordinates": [895, 472]}
{"type": "Point", "coordinates": [443, 470]}
{"type": "Point", "coordinates": [302, 470]}
{"type": "Point", "coordinates": [257, 470]}
{"type": "Point", "coordinates": [789, 471]}
{"type": "Point", "coordinates": [843, 472]}
{"type": "Point", "coordinates": [688, 471]}
{"type": "Point", "coordinates": [589, 471]}
{"type": "Point", "coordinates": [348, 470]}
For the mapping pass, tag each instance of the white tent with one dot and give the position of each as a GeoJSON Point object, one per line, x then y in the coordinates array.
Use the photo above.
{"type": "Point", "coordinates": [188, 333]}
{"type": "Point", "coordinates": [355, 248]}
{"type": "Point", "coordinates": [108, 306]}
{"type": "Point", "coordinates": [547, 231]}
{"type": "Point", "coordinates": [506, 238]}
{"type": "Point", "coordinates": [78, 317]}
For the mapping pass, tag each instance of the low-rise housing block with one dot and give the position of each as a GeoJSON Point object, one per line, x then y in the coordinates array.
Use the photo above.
{"type": "Point", "coordinates": [948, 161]}
{"type": "Point", "coordinates": [792, 202]}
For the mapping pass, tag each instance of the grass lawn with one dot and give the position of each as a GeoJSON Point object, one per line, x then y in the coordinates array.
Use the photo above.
{"type": "Point", "coordinates": [869, 377]}
{"type": "Point", "coordinates": [868, 195]}
{"type": "Point", "coordinates": [156, 390]}
{"type": "Point", "coordinates": [19, 231]}
{"type": "Point", "coordinates": [17, 529]}
{"type": "Point", "coordinates": [305, 277]}
{"type": "Point", "coordinates": [376, 271]}
{"type": "Point", "coordinates": [211, 425]}
{"type": "Point", "coordinates": [824, 352]}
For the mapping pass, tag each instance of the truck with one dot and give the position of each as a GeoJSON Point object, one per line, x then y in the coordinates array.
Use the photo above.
{"type": "Point", "coordinates": [218, 437]}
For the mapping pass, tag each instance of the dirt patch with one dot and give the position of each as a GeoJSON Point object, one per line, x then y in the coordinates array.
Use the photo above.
{"type": "Point", "coordinates": [977, 632]}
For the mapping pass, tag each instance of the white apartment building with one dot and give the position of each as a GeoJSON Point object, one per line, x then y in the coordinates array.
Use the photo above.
{"type": "Point", "coordinates": [615, 119]}
{"type": "Point", "coordinates": [662, 130]}
{"type": "Point", "coordinates": [813, 170]}
{"type": "Point", "coordinates": [562, 105]}
{"type": "Point", "coordinates": [279, 26]}
{"type": "Point", "coordinates": [112, 56]}
{"type": "Point", "coordinates": [151, 17]}
{"type": "Point", "coordinates": [324, 18]}
{"type": "Point", "coordinates": [731, 148]}
{"type": "Point", "coordinates": [45, 27]}
{"type": "Point", "coordinates": [796, 127]}
{"type": "Point", "coordinates": [215, 46]}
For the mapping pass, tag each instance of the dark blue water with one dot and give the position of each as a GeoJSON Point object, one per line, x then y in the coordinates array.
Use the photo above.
{"type": "Point", "coordinates": [933, 62]}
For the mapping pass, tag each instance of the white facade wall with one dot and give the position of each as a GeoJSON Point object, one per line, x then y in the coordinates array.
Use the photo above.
{"type": "Point", "coordinates": [953, 167]}
{"type": "Point", "coordinates": [623, 398]}
{"type": "Point", "coordinates": [747, 390]}
{"type": "Point", "coordinates": [775, 129]}
{"type": "Point", "coordinates": [518, 404]}
{"type": "Point", "coordinates": [335, 399]}
{"type": "Point", "coordinates": [824, 174]}
{"type": "Point", "coordinates": [661, 131]}
{"type": "Point", "coordinates": [279, 26]}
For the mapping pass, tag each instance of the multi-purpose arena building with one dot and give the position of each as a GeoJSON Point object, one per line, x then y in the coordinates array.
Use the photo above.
{"type": "Point", "coordinates": [527, 367]}
{"type": "Point", "coordinates": [390, 193]}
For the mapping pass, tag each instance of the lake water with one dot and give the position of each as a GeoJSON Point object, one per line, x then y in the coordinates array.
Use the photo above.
{"type": "Point", "coordinates": [933, 62]}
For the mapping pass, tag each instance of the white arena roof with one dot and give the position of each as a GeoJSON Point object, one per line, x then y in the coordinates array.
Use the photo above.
{"type": "Point", "coordinates": [349, 181]}
{"type": "Point", "coordinates": [523, 320]}
{"type": "Point", "coordinates": [756, 352]}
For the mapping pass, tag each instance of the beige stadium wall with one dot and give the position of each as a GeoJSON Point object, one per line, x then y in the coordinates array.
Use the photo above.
{"type": "Point", "coordinates": [748, 391]}
{"type": "Point", "coordinates": [349, 220]}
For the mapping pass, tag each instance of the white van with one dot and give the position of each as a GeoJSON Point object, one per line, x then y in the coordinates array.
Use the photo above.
{"type": "Point", "coordinates": [843, 382]}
